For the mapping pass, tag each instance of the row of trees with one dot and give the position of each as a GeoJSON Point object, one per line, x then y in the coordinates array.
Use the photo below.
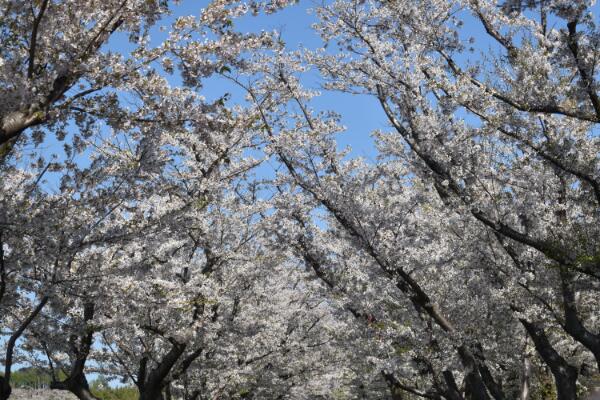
{"type": "Point", "coordinates": [39, 379]}
{"type": "Point", "coordinates": [230, 249]}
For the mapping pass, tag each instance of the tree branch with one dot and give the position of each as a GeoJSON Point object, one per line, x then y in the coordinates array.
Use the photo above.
{"type": "Point", "coordinates": [34, 34]}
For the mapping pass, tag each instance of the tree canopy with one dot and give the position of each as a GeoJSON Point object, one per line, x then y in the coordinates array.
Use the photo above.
{"type": "Point", "coordinates": [194, 247]}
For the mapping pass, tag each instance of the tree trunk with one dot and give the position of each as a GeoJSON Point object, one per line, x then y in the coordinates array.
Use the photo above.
{"type": "Point", "coordinates": [76, 382]}
{"type": "Point", "coordinates": [395, 391]}
{"type": "Point", "coordinates": [5, 388]}
{"type": "Point", "coordinates": [78, 385]}
{"type": "Point", "coordinates": [451, 391]}
{"type": "Point", "coordinates": [193, 396]}
{"type": "Point", "coordinates": [151, 392]}
{"type": "Point", "coordinates": [573, 324]}
{"type": "Point", "coordinates": [84, 394]}
{"type": "Point", "coordinates": [565, 375]}
{"type": "Point", "coordinates": [566, 385]}
{"type": "Point", "coordinates": [474, 386]}
{"type": "Point", "coordinates": [151, 384]}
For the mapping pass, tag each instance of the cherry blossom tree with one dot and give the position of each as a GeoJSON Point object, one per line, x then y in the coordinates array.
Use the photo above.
{"type": "Point", "coordinates": [500, 145]}
{"type": "Point", "coordinates": [141, 238]}
{"type": "Point", "coordinates": [59, 77]}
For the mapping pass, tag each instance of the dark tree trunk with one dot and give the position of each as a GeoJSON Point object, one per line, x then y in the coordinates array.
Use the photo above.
{"type": "Point", "coordinates": [151, 384]}
{"type": "Point", "coordinates": [84, 394]}
{"type": "Point", "coordinates": [151, 392]}
{"type": "Point", "coordinates": [566, 385]}
{"type": "Point", "coordinates": [76, 384]}
{"type": "Point", "coordinates": [193, 396]}
{"type": "Point", "coordinates": [395, 391]}
{"type": "Point", "coordinates": [451, 391]}
{"type": "Point", "coordinates": [573, 324]}
{"type": "Point", "coordinates": [493, 387]}
{"type": "Point", "coordinates": [565, 375]}
{"type": "Point", "coordinates": [474, 386]}
{"type": "Point", "coordinates": [5, 388]}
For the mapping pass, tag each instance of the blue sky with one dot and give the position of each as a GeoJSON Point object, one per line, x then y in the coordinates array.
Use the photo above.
{"type": "Point", "coordinates": [360, 114]}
